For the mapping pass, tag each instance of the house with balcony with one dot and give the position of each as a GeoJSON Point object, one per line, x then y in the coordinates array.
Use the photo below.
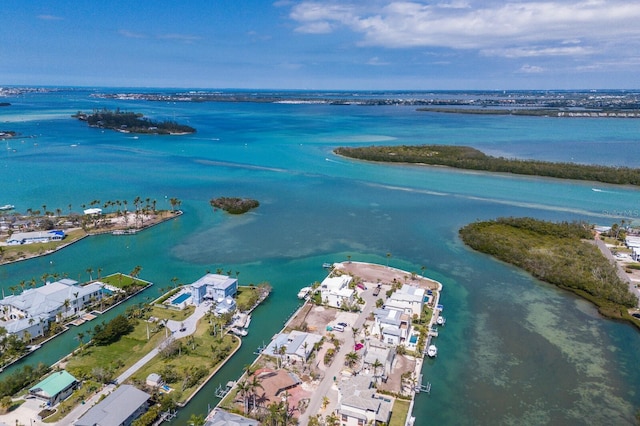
{"type": "Point", "coordinates": [391, 325]}
{"type": "Point", "coordinates": [32, 310]}
{"type": "Point", "coordinates": [408, 298]}
{"type": "Point", "coordinates": [359, 404]}
{"type": "Point", "coordinates": [335, 291]}
{"type": "Point", "coordinates": [213, 287]}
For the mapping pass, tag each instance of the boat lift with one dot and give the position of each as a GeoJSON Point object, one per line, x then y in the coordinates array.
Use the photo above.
{"type": "Point", "coordinates": [422, 387]}
{"type": "Point", "coordinates": [221, 393]}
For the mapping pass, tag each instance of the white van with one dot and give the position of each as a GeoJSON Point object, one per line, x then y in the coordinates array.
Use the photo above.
{"type": "Point", "coordinates": [338, 327]}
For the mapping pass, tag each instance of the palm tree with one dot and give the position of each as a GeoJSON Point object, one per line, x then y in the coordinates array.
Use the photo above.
{"type": "Point", "coordinates": [243, 390]}
{"type": "Point", "coordinates": [253, 385]}
{"type": "Point", "coordinates": [196, 420]}
{"type": "Point", "coordinates": [376, 364]}
{"type": "Point", "coordinates": [136, 271]}
{"type": "Point", "coordinates": [90, 271]}
{"type": "Point", "coordinates": [80, 336]}
{"type": "Point", "coordinates": [352, 358]}
{"type": "Point", "coordinates": [388, 257]}
{"type": "Point", "coordinates": [66, 304]}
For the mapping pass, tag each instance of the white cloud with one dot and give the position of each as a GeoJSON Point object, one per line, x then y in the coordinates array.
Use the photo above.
{"type": "Point", "coordinates": [131, 34]}
{"type": "Point", "coordinates": [552, 27]}
{"type": "Point", "coordinates": [531, 69]}
{"type": "Point", "coordinates": [376, 62]}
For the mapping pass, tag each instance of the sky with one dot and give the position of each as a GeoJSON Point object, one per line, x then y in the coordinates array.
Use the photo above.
{"type": "Point", "coordinates": [323, 44]}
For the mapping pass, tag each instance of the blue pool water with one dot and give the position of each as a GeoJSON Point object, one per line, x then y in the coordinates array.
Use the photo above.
{"type": "Point", "coordinates": [178, 300]}
{"type": "Point", "coordinates": [413, 339]}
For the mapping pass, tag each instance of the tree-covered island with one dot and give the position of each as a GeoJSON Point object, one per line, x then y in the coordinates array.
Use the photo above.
{"type": "Point", "coordinates": [234, 205]}
{"type": "Point", "coordinates": [131, 122]}
{"type": "Point", "coordinates": [562, 254]}
{"type": "Point", "coordinates": [465, 157]}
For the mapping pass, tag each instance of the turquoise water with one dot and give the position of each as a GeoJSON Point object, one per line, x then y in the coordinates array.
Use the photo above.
{"type": "Point", "coordinates": [514, 351]}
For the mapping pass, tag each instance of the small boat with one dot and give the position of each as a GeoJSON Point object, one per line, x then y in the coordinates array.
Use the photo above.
{"type": "Point", "coordinates": [7, 207]}
{"type": "Point", "coordinates": [440, 320]}
{"type": "Point", "coordinates": [432, 351]}
{"type": "Point", "coordinates": [303, 292]}
{"type": "Point", "coordinates": [239, 331]}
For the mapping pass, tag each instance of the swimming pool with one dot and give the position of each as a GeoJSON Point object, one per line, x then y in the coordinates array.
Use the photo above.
{"type": "Point", "coordinates": [413, 339]}
{"type": "Point", "coordinates": [178, 300]}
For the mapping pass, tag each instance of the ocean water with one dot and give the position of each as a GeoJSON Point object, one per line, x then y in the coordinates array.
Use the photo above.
{"type": "Point", "coordinates": [514, 350]}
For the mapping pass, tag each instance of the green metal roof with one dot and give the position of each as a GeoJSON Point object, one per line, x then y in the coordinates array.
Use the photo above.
{"type": "Point", "coordinates": [54, 384]}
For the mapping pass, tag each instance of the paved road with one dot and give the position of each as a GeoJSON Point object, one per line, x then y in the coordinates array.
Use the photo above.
{"type": "Point", "coordinates": [328, 387]}
{"type": "Point", "coordinates": [621, 273]}
{"type": "Point", "coordinates": [177, 330]}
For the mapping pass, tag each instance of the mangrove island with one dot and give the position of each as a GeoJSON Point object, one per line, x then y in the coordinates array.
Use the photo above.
{"type": "Point", "coordinates": [131, 122]}
{"type": "Point", "coordinates": [465, 157]}
{"type": "Point", "coordinates": [234, 205]}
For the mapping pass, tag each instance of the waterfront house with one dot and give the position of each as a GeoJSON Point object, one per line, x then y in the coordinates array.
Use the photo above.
{"type": "Point", "coordinates": [154, 380]}
{"type": "Point", "coordinates": [391, 325]}
{"type": "Point", "coordinates": [408, 298]}
{"type": "Point", "coordinates": [335, 291]}
{"type": "Point", "coordinates": [119, 408]}
{"type": "Point", "coordinates": [219, 417]}
{"type": "Point", "coordinates": [358, 403]}
{"type": "Point", "coordinates": [35, 237]}
{"type": "Point", "coordinates": [297, 345]}
{"type": "Point", "coordinates": [213, 287]}
{"type": "Point", "coordinates": [275, 383]}
{"type": "Point", "coordinates": [379, 354]}
{"type": "Point", "coordinates": [41, 305]}
{"type": "Point", "coordinates": [55, 388]}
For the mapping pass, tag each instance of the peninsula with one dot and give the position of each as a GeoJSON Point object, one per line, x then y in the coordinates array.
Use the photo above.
{"type": "Point", "coordinates": [131, 122]}
{"type": "Point", "coordinates": [563, 254]}
{"type": "Point", "coordinates": [465, 157]}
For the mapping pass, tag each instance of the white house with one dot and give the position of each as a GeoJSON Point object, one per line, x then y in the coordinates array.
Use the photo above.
{"type": "Point", "coordinates": [298, 345]}
{"type": "Point", "coordinates": [213, 287]}
{"type": "Point", "coordinates": [35, 237]}
{"type": "Point", "coordinates": [335, 291]}
{"type": "Point", "coordinates": [408, 298]}
{"type": "Point", "coordinates": [383, 355]}
{"type": "Point", "coordinates": [34, 308]}
{"type": "Point", "coordinates": [392, 325]}
{"type": "Point", "coordinates": [358, 403]}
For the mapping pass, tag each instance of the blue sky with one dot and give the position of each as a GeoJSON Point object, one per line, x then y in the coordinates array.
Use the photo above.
{"type": "Point", "coordinates": [348, 44]}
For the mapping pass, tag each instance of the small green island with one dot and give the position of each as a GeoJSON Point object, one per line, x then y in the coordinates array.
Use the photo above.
{"type": "Point", "coordinates": [562, 254]}
{"type": "Point", "coordinates": [234, 205]}
{"type": "Point", "coordinates": [465, 157]}
{"type": "Point", "coordinates": [131, 122]}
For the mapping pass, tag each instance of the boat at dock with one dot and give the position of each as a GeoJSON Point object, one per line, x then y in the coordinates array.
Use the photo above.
{"type": "Point", "coordinates": [124, 232]}
{"type": "Point", "coordinates": [304, 292]}
{"type": "Point", "coordinates": [239, 331]}
{"type": "Point", "coordinates": [7, 207]}
{"type": "Point", "coordinates": [441, 320]}
{"type": "Point", "coordinates": [432, 351]}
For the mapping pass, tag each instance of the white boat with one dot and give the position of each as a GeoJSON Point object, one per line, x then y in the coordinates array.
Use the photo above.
{"type": "Point", "coordinates": [7, 207]}
{"type": "Point", "coordinates": [239, 331]}
{"type": "Point", "coordinates": [440, 320]}
{"type": "Point", "coordinates": [303, 292]}
{"type": "Point", "coordinates": [432, 351]}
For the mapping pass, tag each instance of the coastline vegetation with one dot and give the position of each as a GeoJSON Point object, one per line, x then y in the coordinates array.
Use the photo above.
{"type": "Point", "coordinates": [464, 157]}
{"type": "Point", "coordinates": [234, 205]}
{"type": "Point", "coordinates": [557, 253]}
{"type": "Point", "coordinates": [131, 122]}
{"type": "Point", "coordinates": [537, 112]}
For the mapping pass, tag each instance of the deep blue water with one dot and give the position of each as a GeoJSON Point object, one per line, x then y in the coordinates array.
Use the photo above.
{"type": "Point", "coordinates": [514, 350]}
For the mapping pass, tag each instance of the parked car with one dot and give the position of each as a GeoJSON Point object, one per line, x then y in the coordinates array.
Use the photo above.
{"type": "Point", "coordinates": [338, 327]}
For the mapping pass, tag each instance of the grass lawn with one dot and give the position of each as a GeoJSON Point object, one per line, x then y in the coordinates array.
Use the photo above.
{"type": "Point", "coordinates": [117, 356]}
{"type": "Point", "coordinates": [171, 314]}
{"type": "Point", "coordinates": [399, 413]}
{"type": "Point", "coordinates": [199, 350]}
{"type": "Point", "coordinates": [122, 281]}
